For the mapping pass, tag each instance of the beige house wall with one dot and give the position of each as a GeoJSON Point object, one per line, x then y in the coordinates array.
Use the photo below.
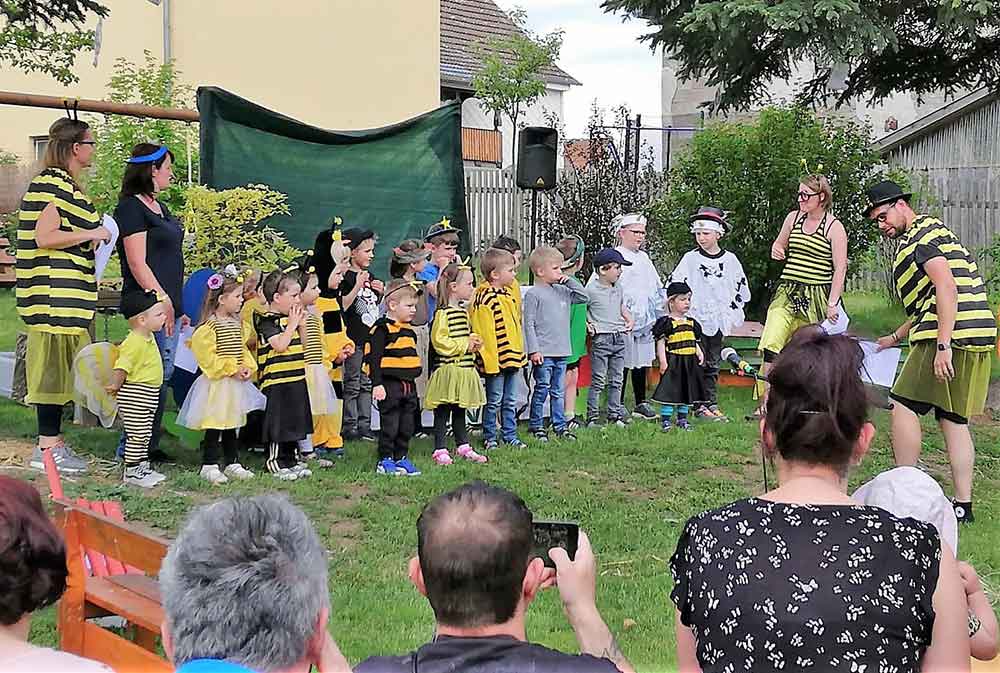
{"type": "Point", "coordinates": [338, 64]}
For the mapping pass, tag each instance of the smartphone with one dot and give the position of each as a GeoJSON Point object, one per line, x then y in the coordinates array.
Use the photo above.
{"type": "Point", "coordinates": [549, 534]}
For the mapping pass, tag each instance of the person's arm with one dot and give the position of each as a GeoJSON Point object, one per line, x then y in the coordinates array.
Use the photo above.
{"type": "Point", "coordinates": [48, 234]}
{"type": "Point", "coordinates": [531, 345]}
{"type": "Point", "coordinates": [984, 643]}
{"type": "Point", "coordinates": [379, 338]}
{"type": "Point", "coordinates": [117, 379]}
{"type": "Point", "coordinates": [348, 297]}
{"type": "Point", "coordinates": [946, 305]}
{"type": "Point", "coordinates": [838, 241]}
{"type": "Point", "coordinates": [205, 351]}
{"type": "Point", "coordinates": [444, 343]}
{"type": "Point", "coordinates": [897, 336]}
{"type": "Point", "coordinates": [661, 354]}
{"type": "Point", "coordinates": [780, 244]}
{"type": "Point", "coordinates": [134, 246]}
{"type": "Point", "coordinates": [578, 294]}
{"type": "Point", "coordinates": [687, 647]}
{"type": "Point", "coordinates": [280, 342]}
{"type": "Point", "coordinates": [949, 648]}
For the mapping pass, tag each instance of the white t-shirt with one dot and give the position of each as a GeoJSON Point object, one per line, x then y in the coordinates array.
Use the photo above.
{"type": "Point", "coordinates": [46, 660]}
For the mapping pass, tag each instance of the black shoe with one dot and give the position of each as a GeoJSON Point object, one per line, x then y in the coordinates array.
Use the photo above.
{"type": "Point", "coordinates": [645, 411]}
{"type": "Point", "coordinates": [963, 511]}
{"type": "Point", "coordinates": [368, 436]}
{"type": "Point", "coordinates": [350, 436]}
{"type": "Point", "coordinates": [160, 456]}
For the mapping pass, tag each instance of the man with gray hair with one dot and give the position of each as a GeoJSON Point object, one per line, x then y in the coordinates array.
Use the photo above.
{"type": "Point", "coordinates": [245, 590]}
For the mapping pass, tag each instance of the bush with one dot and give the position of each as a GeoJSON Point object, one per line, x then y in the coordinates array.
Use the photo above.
{"type": "Point", "coordinates": [752, 170]}
{"type": "Point", "coordinates": [227, 227]}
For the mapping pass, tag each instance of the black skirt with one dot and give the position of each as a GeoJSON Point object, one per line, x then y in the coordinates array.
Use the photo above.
{"type": "Point", "coordinates": [683, 383]}
{"type": "Point", "coordinates": [287, 417]}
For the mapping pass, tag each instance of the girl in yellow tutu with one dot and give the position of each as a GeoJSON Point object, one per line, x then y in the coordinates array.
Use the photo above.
{"type": "Point", "coordinates": [454, 385]}
{"type": "Point", "coordinates": [223, 395]}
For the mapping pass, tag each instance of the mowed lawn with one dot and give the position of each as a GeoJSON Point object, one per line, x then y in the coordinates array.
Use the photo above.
{"type": "Point", "coordinates": [631, 489]}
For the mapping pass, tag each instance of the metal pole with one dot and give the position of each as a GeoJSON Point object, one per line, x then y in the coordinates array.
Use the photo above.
{"type": "Point", "coordinates": [628, 146]}
{"type": "Point", "coordinates": [638, 145]}
{"type": "Point", "coordinates": [534, 228]}
{"type": "Point", "coordinates": [670, 136]}
{"type": "Point", "coordinates": [98, 106]}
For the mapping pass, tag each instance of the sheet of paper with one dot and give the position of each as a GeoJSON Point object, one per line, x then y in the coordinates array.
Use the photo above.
{"type": "Point", "coordinates": [105, 250]}
{"type": "Point", "coordinates": [839, 327]}
{"type": "Point", "coordinates": [183, 357]}
{"type": "Point", "coordinates": [879, 368]}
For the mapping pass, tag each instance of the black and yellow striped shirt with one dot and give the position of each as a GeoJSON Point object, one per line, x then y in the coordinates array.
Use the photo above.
{"type": "Point", "coordinates": [681, 335]}
{"type": "Point", "coordinates": [453, 323]}
{"type": "Point", "coordinates": [229, 339]}
{"type": "Point", "coordinates": [975, 327]}
{"type": "Point", "coordinates": [391, 352]}
{"type": "Point", "coordinates": [314, 340]}
{"type": "Point", "coordinates": [56, 289]}
{"type": "Point", "coordinates": [275, 368]}
{"type": "Point", "coordinates": [809, 258]}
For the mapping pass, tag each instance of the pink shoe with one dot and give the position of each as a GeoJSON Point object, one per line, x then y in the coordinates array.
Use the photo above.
{"type": "Point", "coordinates": [468, 453]}
{"type": "Point", "coordinates": [442, 457]}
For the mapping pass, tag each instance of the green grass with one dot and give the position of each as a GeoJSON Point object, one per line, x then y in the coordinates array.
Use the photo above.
{"type": "Point", "coordinates": [631, 489]}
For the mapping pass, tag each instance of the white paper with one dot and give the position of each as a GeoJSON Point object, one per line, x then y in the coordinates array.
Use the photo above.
{"type": "Point", "coordinates": [104, 250]}
{"type": "Point", "coordinates": [838, 327]}
{"type": "Point", "coordinates": [879, 368]}
{"type": "Point", "coordinates": [183, 356]}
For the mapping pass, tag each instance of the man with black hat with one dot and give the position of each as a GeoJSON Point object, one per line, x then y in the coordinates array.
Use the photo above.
{"type": "Point", "coordinates": [951, 332]}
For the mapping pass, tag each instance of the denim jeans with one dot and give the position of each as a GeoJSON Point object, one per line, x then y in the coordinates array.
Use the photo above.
{"type": "Point", "coordinates": [168, 348]}
{"type": "Point", "coordinates": [500, 398]}
{"type": "Point", "coordinates": [548, 378]}
{"type": "Point", "coordinates": [607, 367]}
{"type": "Point", "coordinates": [357, 396]}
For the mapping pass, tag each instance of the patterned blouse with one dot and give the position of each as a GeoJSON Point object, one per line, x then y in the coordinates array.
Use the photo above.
{"type": "Point", "coordinates": [771, 586]}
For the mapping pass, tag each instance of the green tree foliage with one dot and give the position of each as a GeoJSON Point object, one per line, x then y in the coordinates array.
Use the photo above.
{"type": "Point", "coordinates": [8, 158]}
{"type": "Point", "coordinates": [753, 169]}
{"type": "Point", "coordinates": [46, 35]}
{"type": "Point", "coordinates": [887, 46]}
{"type": "Point", "coordinates": [228, 227]}
{"type": "Point", "coordinates": [509, 80]}
{"type": "Point", "coordinates": [152, 83]}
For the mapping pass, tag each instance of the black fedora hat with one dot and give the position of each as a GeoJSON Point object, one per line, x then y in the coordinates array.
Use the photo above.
{"type": "Point", "coordinates": [884, 192]}
{"type": "Point", "coordinates": [710, 213]}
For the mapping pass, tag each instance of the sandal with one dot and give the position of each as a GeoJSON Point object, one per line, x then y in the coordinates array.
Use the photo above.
{"type": "Point", "coordinates": [442, 457]}
{"type": "Point", "coordinates": [469, 453]}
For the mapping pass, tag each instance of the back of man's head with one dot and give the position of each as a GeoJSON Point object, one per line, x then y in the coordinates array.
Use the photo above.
{"type": "Point", "coordinates": [246, 581]}
{"type": "Point", "coordinates": [474, 545]}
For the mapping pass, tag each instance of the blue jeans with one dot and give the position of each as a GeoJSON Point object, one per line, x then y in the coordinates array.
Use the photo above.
{"type": "Point", "coordinates": [168, 347]}
{"type": "Point", "coordinates": [548, 378]}
{"type": "Point", "coordinates": [500, 398]}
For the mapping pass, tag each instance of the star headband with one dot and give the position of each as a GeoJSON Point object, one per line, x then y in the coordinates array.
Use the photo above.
{"type": "Point", "coordinates": [148, 158]}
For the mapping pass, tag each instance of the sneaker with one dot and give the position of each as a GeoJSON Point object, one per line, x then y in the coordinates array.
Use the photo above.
{"type": "Point", "coordinates": [621, 422]}
{"type": "Point", "coordinates": [703, 412]}
{"type": "Point", "coordinates": [302, 470]}
{"type": "Point", "coordinates": [719, 416]}
{"type": "Point", "coordinates": [566, 436]}
{"type": "Point", "coordinates": [315, 460]}
{"type": "Point", "coordinates": [666, 425]}
{"type": "Point", "coordinates": [368, 436]}
{"type": "Point", "coordinates": [348, 436]}
{"type": "Point", "coordinates": [213, 475]}
{"type": "Point", "coordinates": [386, 466]}
{"type": "Point", "coordinates": [286, 474]}
{"type": "Point", "coordinates": [339, 453]}
{"type": "Point", "coordinates": [237, 471]}
{"type": "Point", "coordinates": [518, 444]}
{"type": "Point", "coordinates": [140, 475]}
{"type": "Point", "coordinates": [468, 453]}
{"type": "Point", "coordinates": [594, 425]}
{"type": "Point", "coordinates": [490, 445]}
{"type": "Point", "coordinates": [573, 424]}
{"type": "Point", "coordinates": [407, 468]}
{"type": "Point", "coordinates": [684, 424]}
{"type": "Point", "coordinates": [963, 511]}
{"type": "Point", "coordinates": [66, 461]}
{"type": "Point", "coordinates": [420, 434]}
{"type": "Point", "coordinates": [644, 411]}
{"type": "Point", "coordinates": [442, 457]}
{"type": "Point", "coordinates": [540, 435]}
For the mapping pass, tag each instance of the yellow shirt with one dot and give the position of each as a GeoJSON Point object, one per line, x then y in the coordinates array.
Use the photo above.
{"type": "Point", "coordinates": [140, 359]}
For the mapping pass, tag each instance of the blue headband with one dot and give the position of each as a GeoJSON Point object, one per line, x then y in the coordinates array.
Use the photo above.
{"type": "Point", "coordinates": [149, 158]}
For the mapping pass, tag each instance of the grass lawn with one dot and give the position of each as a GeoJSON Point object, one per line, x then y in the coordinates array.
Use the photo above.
{"type": "Point", "coordinates": [631, 489]}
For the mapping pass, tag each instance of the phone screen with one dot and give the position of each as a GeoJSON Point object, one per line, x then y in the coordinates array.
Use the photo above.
{"type": "Point", "coordinates": [549, 534]}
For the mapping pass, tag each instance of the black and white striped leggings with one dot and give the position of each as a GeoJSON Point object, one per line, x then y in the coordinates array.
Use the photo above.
{"type": "Point", "coordinates": [137, 404]}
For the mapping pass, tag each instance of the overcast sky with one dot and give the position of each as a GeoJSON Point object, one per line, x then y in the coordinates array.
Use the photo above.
{"type": "Point", "coordinates": [602, 52]}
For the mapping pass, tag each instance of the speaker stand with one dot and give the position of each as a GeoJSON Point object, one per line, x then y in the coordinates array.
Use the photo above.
{"type": "Point", "coordinates": [534, 231]}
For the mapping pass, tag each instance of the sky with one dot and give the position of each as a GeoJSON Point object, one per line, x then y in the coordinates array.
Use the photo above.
{"type": "Point", "coordinates": [602, 52]}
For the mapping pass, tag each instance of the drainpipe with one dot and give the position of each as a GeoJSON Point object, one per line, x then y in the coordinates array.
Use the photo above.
{"type": "Point", "coordinates": [167, 55]}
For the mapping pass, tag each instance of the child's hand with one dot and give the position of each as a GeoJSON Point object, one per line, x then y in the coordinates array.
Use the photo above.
{"type": "Point", "coordinates": [777, 252]}
{"type": "Point", "coordinates": [378, 285]}
{"type": "Point", "coordinates": [243, 373]}
{"type": "Point", "coordinates": [970, 579]}
{"type": "Point", "coordinates": [663, 368]}
{"type": "Point", "coordinates": [111, 389]}
{"type": "Point", "coordinates": [378, 393]}
{"type": "Point", "coordinates": [475, 343]}
{"type": "Point", "coordinates": [629, 324]}
{"type": "Point", "coordinates": [591, 328]}
{"type": "Point", "coordinates": [295, 314]}
{"type": "Point", "coordinates": [701, 358]}
{"type": "Point", "coordinates": [537, 359]}
{"type": "Point", "coordinates": [345, 352]}
{"type": "Point", "coordinates": [362, 278]}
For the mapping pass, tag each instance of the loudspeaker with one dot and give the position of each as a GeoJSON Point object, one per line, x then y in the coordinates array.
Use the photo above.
{"type": "Point", "coordinates": [537, 147]}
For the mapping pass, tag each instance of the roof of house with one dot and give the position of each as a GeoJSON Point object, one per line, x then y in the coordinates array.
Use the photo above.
{"type": "Point", "coordinates": [936, 119]}
{"type": "Point", "coordinates": [578, 151]}
{"type": "Point", "coordinates": [465, 24]}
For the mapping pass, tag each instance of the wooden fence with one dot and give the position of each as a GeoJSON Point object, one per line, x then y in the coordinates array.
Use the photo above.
{"type": "Point", "coordinates": [496, 206]}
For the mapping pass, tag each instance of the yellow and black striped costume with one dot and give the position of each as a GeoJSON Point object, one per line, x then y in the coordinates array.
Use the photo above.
{"type": "Point", "coordinates": [139, 394]}
{"type": "Point", "coordinates": [391, 352]}
{"type": "Point", "coordinates": [496, 317]}
{"type": "Point", "coordinates": [282, 379]}
{"type": "Point", "coordinates": [975, 327]}
{"type": "Point", "coordinates": [809, 258]}
{"type": "Point", "coordinates": [683, 383]}
{"type": "Point", "coordinates": [314, 340]}
{"type": "Point", "coordinates": [326, 429]}
{"type": "Point", "coordinates": [276, 368]}
{"type": "Point", "coordinates": [454, 380]}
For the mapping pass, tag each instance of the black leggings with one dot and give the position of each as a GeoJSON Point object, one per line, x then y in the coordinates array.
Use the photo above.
{"type": "Point", "coordinates": [458, 426]}
{"type": "Point", "coordinates": [638, 375]}
{"type": "Point", "coordinates": [214, 441]}
{"type": "Point", "coordinates": [49, 419]}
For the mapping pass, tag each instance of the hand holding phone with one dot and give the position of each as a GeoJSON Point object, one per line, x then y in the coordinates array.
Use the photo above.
{"type": "Point", "coordinates": [551, 534]}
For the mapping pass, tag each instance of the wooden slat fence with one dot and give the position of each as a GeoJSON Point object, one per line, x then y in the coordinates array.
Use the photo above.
{"type": "Point", "coordinates": [497, 207]}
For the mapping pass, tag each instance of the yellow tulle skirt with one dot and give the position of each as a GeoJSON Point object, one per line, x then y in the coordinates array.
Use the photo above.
{"type": "Point", "coordinates": [452, 384]}
{"type": "Point", "coordinates": [93, 368]}
{"type": "Point", "coordinates": [322, 398]}
{"type": "Point", "coordinates": [219, 404]}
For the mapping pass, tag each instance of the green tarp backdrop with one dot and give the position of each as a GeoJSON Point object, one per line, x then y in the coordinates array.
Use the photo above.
{"type": "Point", "coordinates": [396, 180]}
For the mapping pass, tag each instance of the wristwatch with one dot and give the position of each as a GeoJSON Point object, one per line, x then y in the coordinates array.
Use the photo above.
{"type": "Point", "coordinates": [943, 347]}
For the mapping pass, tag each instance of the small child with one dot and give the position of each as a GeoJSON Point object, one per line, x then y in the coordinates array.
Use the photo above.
{"type": "Point", "coordinates": [608, 322]}
{"type": "Point", "coordinates": [442, 241]}
{"type": "Point", "coordinates": [496, 318]}
{"type": "Point", "coordinates": [572, 249]}
{"type": "Point", "coordinates": [512, 246]}
{"type": "Point", "coordinates": [360, 293]}
{"type": "Point", "coordinates": [282, 374]}
{"type": "Point", "coordinates": [409, 260]}
{"type": "Point", "coordinates": [393, 365]}
{"type": "Point", "coordinates": [223, 396]}
{"type": "Point", "coordinates": [136, 382]}
{"type": "Point", "coordinates": [719, 292]}
{"type": "Point", "coordinates": [547, 339]}
{"type": "Point", "coordinates": [454, 386]}
{"type": "Point", "coordinates": [678, 350]}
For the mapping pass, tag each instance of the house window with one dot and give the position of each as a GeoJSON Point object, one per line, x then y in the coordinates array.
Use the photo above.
{"type": "Point", "coordinates": [40, 144]}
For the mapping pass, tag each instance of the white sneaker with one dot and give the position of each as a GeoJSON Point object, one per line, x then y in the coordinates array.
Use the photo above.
{"type": "Point", "coordinates": [315, 460]}
{"type": "Point", "coordinates": [159, 476]}
{"type": "Point", "coordinates": [213, 475]}
{"type": "Point", "coordinates": [302, 470]}
{"type": "Point", "coordinates": [237, 471]}
{"type": "Point", "coordinates": [285, 474]}
{"type": "Point", "coordinates": [139, 475]}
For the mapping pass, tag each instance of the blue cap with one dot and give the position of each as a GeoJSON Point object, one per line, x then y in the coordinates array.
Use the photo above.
{"type": "Point", "coordinates": [609, 256]}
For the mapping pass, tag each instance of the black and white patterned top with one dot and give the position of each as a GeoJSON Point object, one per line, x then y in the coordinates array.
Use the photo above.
{"type": "Point", "coordinates": [769, 586]}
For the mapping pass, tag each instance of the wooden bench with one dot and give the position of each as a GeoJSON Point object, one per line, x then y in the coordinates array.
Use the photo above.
{"type": "Point", "coordinates": [134, 597]}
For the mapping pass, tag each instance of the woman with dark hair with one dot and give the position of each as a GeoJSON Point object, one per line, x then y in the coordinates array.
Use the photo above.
{"type": "Point", "coordinates": [32, 576]}
{"type": "Point", "coordinates": [149, 248]}
{"type": "Point", "coordinates": [58, 230]}
{"type": "Point", "coordinates": [803, 577]}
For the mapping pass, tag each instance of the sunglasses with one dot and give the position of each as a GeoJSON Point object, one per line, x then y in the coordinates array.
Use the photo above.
{"type": "Point", "coordinates": [805, 196]}
{"type": "Point", "coordinates": [87, 142]}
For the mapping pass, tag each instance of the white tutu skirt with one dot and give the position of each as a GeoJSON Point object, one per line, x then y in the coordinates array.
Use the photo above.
{"type": "Point", "coordinates": [219, 404]}
{"type": "Point", "coordinates": [322, 398]}
{"type": "Point", "coordinates": [93, 367]}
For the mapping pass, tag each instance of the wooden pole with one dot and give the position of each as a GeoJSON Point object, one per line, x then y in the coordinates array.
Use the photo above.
{"type": "Point", "coordinates": [99, 106]}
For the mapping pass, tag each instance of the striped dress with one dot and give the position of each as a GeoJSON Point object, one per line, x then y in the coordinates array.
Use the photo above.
{"type": "Point", "coordinates": [684, 381]}
{"type": "Point", "coordinates": [282, 379]}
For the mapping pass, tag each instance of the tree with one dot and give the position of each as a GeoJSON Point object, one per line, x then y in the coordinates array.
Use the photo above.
{"type": "Point", "coordinates": [509, 80]}
{"type": "Point", "coordinates": [152, 83]}
{"type": "Point", "coordinates": [46, 35]}
{"type": "Point", "coordinates": [886, 46]}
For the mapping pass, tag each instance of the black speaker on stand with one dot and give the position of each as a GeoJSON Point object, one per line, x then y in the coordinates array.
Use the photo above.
{"type": "Point", "coordinates": [537, 148]}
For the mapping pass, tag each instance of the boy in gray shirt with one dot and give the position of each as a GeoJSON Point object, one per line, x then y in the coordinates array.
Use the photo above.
{"type": "Point", "coordinates": [607, 321]}
{"type": "Point", "coordinates": [546, 337]}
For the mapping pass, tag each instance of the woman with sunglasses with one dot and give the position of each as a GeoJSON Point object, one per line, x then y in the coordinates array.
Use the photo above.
{"type": "Point", "coordinates": [813, 245]}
